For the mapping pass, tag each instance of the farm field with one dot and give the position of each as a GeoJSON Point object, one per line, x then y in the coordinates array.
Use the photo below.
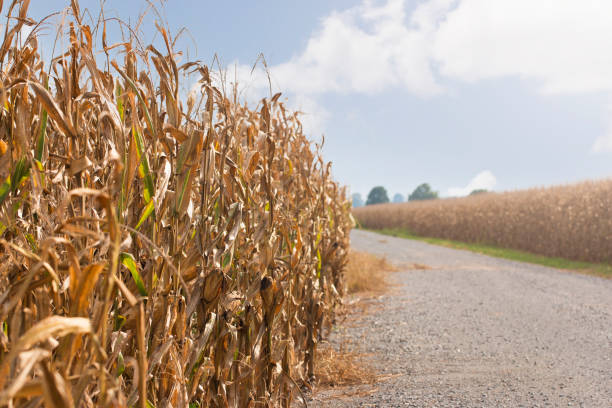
{"type": "Point", "coordinates": [571, 222]}
{"type": "Point", "coordinates": [598, 269]}
{"type": "Point", "coordinates": [173, 232]}
{"type": "Point", "coordinates": [155, 250]}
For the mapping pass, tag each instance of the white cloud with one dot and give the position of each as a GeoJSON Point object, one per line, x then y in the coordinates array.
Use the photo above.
{"type": "Point", "coordinates": [313, 115]}
{"type": "Point", "coordinates": [255, 84]}
{"type": "Point", "coordinates": [375, 46]}
{"type": "Point", "coordinates": [564, 44]}
{"type": "Point", "coordinates": [603, 144]}
{"type": "Point", "coordinates": [366, 49]}
{"type": "Point", "coordinates": [483, 180]}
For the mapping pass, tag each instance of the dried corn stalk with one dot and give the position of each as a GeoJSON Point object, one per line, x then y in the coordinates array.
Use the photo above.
{"type": "Point", "coordinates": [154, 255]}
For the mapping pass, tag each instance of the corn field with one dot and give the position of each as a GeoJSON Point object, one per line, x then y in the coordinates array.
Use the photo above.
{"type": "Point", "coordinates": [156, 251]}
{"type": "Point", "coordinates": [572, 221]}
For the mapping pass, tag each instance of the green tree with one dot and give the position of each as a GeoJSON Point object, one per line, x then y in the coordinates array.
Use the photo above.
{"type": "Point", "coordinates": [398, 198]}
{"type": "Point", "coordinates": [479, 191]}
{"type": "Point", "coordinates": [423, 192]}
{"type": "Point", "coordinates": [378, 195]}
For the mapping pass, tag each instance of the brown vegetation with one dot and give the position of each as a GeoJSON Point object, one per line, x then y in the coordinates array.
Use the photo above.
{"type": "Point", "coordinates": [365, 272]}
{"type": "Point", "coordinates": [572, 222]}
{"type": "Point", "coordinates": [338, 368]}
{"type": "Point", "coordinates": [155, 252]}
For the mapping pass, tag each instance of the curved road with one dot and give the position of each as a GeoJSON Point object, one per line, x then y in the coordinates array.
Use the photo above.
{"type": "Point", "coordinates": [476, 331]}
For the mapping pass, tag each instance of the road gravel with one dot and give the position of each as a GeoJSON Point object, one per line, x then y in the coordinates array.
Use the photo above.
{"type": "Point", "coordinates": [477, 331]}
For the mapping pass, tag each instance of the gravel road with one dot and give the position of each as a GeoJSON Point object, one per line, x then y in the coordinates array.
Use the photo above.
{"type": "Point", "coordinates": [476, 331]}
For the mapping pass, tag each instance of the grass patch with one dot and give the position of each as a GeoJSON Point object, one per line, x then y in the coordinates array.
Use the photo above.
{"type": "Point", "coordinates": [338, 368]}
{"type": "Point", "coordinates": [366, 273]}
{"type": "Point", "coordinates": [597, 269]}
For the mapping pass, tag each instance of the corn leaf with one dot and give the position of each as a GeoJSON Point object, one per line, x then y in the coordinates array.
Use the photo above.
{"type": "Point", "coordinates": [181, 197]}
{"type": "Point", "coordinates": [143, 168]}
{"type": "Point", "coordinates": [19, 174]}
{"type": "Point", "coordinates": [5, 189]}
{"type": "Point", "coordinates": [120, 108]}
{"type": "Point", "coordinates": [32, 242]}
{"type": "Point", "coordinates": [120, 365]}
{"type": "Point", "coordinates": [146, 212]}
{"type": "Point", "coordinates": [128, 261]}
{"type": "Point", "coordinates": [40, 143]}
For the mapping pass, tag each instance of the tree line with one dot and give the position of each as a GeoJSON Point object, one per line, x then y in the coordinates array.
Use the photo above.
{"type": "Point", "coordinates": [378, 195]}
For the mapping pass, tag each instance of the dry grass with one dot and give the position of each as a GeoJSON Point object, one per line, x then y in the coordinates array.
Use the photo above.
{"type": "Point", "coordinates": [338, 368]}
{"type": "Point", "coordinates": [365, 272]}
{"type": "Point", "coordinates": [364, 275]}
{"type": "Point", "coordinates": [154, 251]}
{"type": "Point", "coordinates": [572, 222]}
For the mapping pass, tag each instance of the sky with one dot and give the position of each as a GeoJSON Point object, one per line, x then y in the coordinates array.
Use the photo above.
{"type": "Point", "coordinates": [461, 94]}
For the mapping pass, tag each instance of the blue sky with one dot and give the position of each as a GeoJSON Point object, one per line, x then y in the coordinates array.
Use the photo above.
{"type": "Point", "coordinates": [463, 94]}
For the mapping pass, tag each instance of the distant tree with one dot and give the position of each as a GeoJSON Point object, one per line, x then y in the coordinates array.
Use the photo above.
{"type": "Point", "coordinates": [378, 195]}
{"type": "Point", "coordinates": [398, 198]}
{"type": "Point", "coordinates": [479, 191]}
{"type": "Point", "coordinates": [423, 192]}
{"type": "Point", "coordinates": [357, 200]}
